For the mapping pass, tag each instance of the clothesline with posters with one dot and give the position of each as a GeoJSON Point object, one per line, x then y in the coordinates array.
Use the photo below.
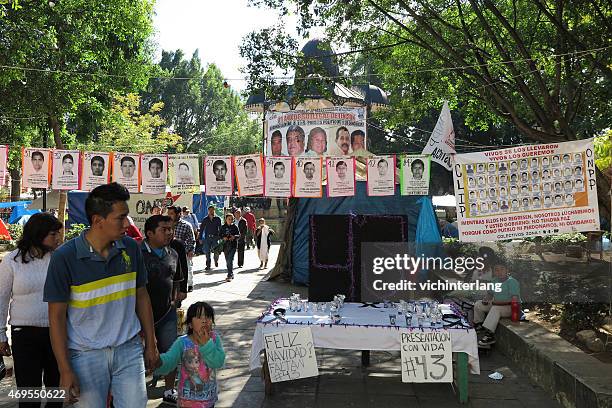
{"type": "Point", "coordinates": [249, 175]}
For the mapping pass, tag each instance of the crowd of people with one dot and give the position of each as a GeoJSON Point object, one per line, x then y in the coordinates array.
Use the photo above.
{"type": "Point", "coordinates": [97, 313]}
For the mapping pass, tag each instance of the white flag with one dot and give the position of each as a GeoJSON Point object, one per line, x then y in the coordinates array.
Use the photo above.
{"type": "Point", "coordinates": [441, 143]}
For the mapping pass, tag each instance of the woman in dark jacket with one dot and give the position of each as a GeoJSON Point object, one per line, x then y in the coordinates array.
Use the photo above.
{"type": "Point", "coordinates": [230, 235]}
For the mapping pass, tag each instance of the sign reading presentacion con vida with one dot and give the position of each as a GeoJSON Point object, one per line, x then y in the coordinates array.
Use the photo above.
{"type": "Point", "coordinates": [526, 191]}
{"type": "Point", "coordinates": [291, 354]}
{"type": "Point", "coordinates": [427, 356]}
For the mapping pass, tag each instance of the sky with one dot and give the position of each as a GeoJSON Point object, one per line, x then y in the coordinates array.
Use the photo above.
{"type": "Point", "coordinates": [216, 28]}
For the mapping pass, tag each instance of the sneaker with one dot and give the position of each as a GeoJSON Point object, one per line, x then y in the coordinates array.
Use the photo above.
{"type": "Point", "coordinates": [487, 340]}
{"type": "Point", "coordinates": [171, 396]}
{"type": "Point", "coordinates": [208, 268]}
{"type": "Point", "coordinates": [216, 264]}
{"type": "Point", "coordinates": [190, 289]}
{"type": "Point", "coordinates": [228, 279]}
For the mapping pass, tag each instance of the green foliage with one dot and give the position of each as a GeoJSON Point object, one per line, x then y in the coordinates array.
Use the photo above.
{"type": "Point", "coordinates": [603, 158]}
{"type": "Point", "coordinates": [75, 230]}
{"type": "Point", "coordinates": [16, 230]}
{"type": "Point", "coordinates": [209, 117]}
{"type": "Point", "coordinates": [125, 129]}
{"type": "Point", "coordinates": [455, 248]}
{"type": "Point", "coordinates": [587, 315]}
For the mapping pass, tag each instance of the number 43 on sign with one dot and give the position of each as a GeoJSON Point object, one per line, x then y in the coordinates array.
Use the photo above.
{"type": "Point", "coordinates": [426, 356]}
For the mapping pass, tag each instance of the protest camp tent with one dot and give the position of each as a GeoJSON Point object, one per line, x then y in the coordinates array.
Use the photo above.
{"type": "Point", "coordinates": [293, 259]}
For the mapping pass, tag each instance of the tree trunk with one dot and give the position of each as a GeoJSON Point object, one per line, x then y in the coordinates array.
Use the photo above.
{"type": "Point", "coordinates": [603, 194]}
{"type": "Point", "coordinates": [15, 184]}
{"type": "Point", "coordinates": [63, 197]}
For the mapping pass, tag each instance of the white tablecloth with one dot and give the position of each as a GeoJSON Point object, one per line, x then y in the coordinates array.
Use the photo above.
{"type": "Point", "coordinates": [361, 328]}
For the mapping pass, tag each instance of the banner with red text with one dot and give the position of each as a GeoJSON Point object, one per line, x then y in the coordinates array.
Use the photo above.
{"type": "Point", "coordinates": [526, 191]}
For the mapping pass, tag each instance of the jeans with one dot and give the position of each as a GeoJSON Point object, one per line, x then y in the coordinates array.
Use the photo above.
{"type": "Point", "coordinates": [118, 369]}
{"type": "Point", "coordinates": [33, 361]}
{"type": "Point", "coordinates": [166, 331]}
{"type": "Point", "coordinates": [229, 260]}
{"type": "Point", "coordinates": [207, 246]}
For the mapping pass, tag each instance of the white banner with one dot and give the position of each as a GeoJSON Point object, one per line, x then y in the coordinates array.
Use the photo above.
{"type": "Point", "coordinates": [381, 175]}
{"type": "Point", "coordinates": [141, 205]}
{"type": "Point", "coordinates": [441, 144]}
{"type": "Point", "coordinates": [308, 177]}
{"type": "Point", "coordinates": [4, 173]}
{"type": "Point", "coordinates": [36, 167]}
{"type": "Point", "coordinates": [66, 171]}
{"type": "Point", "coordinates": [219, 175]}
{"type": "Point", "coordinates": [96, 170]}
{"type": "Point", "coordinates": [291, 353]}
{"type": "Point", "coordinates": [337, 131]}
{"type": "Point", "coordinates": [340, 176]}
{"type": "Point", "coordinates": [249, 174]}
{"type": "Point", "coordinates": [184, 173]}
{"type": "Point", "coordinates": [277, 176]}
{"type": "Point", "coordinates": [126, 170]}
{"type": "Point", "coordinates": [154, 173]}
{"type": "Point", "coordinates": [426, 356]}
{"type": "Point", "coordinates": [414, 174]}
{"type": "Point", "coordinates": [526, 191]}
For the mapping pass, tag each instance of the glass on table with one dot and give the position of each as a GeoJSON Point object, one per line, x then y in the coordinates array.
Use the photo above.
{"type": "Point", "coordinates": [392, 319]}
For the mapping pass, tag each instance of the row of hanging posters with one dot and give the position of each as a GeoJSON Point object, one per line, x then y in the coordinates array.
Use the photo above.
{"type": "Point", "coordinates": [526, 191]}
{"type": "Point", "coordinates": [337, 131]}
{"type": "Point", "coordinates": [254, 174]}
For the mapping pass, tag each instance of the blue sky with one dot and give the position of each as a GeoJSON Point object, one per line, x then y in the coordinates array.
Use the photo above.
{"type": "Point", "coordinates": [214, 27]}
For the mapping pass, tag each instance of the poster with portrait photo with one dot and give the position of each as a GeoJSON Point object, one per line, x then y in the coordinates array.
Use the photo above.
{"type": "Point", "coordinates": [308, 177]}
{"type": "Point", "coordinates": [126, 170]}
{"type": "Point", "coordinates": [414, 174]}
{"type": "Point", "coordinates": [153, 173]}
{"type": "Point", "coordinates": [184, 173]}
{"type": "Point", "coordinates": [4, 151]}
{"type": "Point", "coordinates": [36, 167]}
{"type": "Point", "coordinates": [337, 131]}
{"type": "Point", "coordinates": [277, 176]}
{"type": "Point", "coordinates": [543, 179]}
{"type": "Point", "coordinates": [381, 175]}
{"type": "Point", "coordinates": [66, 171]}
{"type": "Point", "coordinates": [340, 176]}
{"type": "Point", "coordinates": [96, 169]}
{"type": "Point", "coordinates": [219, 175]}
{"type": "Point", "coordinates": [249, 174]}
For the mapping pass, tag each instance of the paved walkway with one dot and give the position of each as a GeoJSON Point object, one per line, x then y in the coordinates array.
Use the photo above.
{"type": "Point", "coordinates": [342, 382]}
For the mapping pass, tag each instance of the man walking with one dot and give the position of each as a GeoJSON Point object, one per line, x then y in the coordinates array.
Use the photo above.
{"type": "Point", "coordinates": [242, 229]}
{"type": "Point", "coordinates": [184, 233]}
{"type": "Point", "coordinates": [251, 227]}
{"type": "Point", "coordinates": [165, 276]}
{"type": "Point", "coordinates": [98, 303]}
{"type": "Point", "coordinates": [209, 230]}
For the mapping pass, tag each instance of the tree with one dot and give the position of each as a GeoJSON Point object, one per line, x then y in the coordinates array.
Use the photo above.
{"type": "Point", "coordinates": [126, 129]}
{"type": "Point", "coordinates": [542, 66]}
{"type": "Point", "coordinates": [198, 106]}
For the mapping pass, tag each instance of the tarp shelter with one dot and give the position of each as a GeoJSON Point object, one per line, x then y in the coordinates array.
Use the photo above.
{"type": "Point", "coordinates": [418, 210]}
{"type": "Point", "coordinates": [20, 210]}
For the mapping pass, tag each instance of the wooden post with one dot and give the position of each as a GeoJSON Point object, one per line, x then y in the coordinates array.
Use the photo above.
{"type": "Point", "coordinates": [462, 377]}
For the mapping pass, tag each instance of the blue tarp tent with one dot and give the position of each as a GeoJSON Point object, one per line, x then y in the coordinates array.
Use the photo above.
{"type": "Point", "coordinates": [418, 209]}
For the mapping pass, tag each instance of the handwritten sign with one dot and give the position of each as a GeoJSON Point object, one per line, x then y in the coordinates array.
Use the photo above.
{"type": "Point", "coordinates": [291, 354]}
{"type": "Point", "coordinates": [426, 356]}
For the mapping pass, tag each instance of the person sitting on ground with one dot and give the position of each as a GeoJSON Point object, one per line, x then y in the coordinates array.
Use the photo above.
{"type": "Point", "coordinates": [488, 311]}
{"type": "Point", "coordinates": [264, 234]}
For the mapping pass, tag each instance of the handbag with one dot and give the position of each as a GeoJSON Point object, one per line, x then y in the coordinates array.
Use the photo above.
{"type": "Point", "coordinates": [2, 368]}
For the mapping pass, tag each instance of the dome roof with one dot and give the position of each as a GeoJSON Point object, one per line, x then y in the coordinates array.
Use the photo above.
{"type": "Point", "coordinates": [320, 49]}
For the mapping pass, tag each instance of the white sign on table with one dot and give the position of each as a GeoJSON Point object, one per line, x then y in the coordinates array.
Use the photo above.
{"type": "Point", "coordinates": [427, 356]}
{"type": "Point", "coordinates": [291, 354]}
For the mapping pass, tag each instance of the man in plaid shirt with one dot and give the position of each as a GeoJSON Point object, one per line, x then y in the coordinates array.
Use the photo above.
{"type": "Point", "coordinates": [183, 231]}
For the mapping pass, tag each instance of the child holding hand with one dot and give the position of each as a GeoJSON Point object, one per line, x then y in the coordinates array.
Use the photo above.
{"type": "Point", "coordinates": [199, 353]}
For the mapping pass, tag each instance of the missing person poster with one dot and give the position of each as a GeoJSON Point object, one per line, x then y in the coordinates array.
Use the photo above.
{"type": "Point", "coordinates": [414, 174]}
{"type": "Point", "coordinates": [66, 171]}
{"type": "Point", "coordinates": [381, 175]}
{"type": "Point", "coordinates": [4, 151]}
{"type": "Point", "coordinates": [36, 167]}
{"type": "Point", "coordinates": [184, 172]}
{"type": "Point", "coordinates": [154, 173]}
{"type": "Point", "coordinates": [277, 176]}
{"type": "Point", "coordinates": [308, 177]}
{"type": "Point", "coordinates": [337, 131]}
{"type": "Point", "coordinates": [126, 170]}
{"type": "Point", "coordinates": [96, 170]}
{"type": "Point", "coordinates": [340, 176]}
{"type": "Point", "coordinates": [249, 174]}
{"type": "Point", "coordinates": [526, 191]}
{"type": "Point", "coordinates": [219, 175]}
